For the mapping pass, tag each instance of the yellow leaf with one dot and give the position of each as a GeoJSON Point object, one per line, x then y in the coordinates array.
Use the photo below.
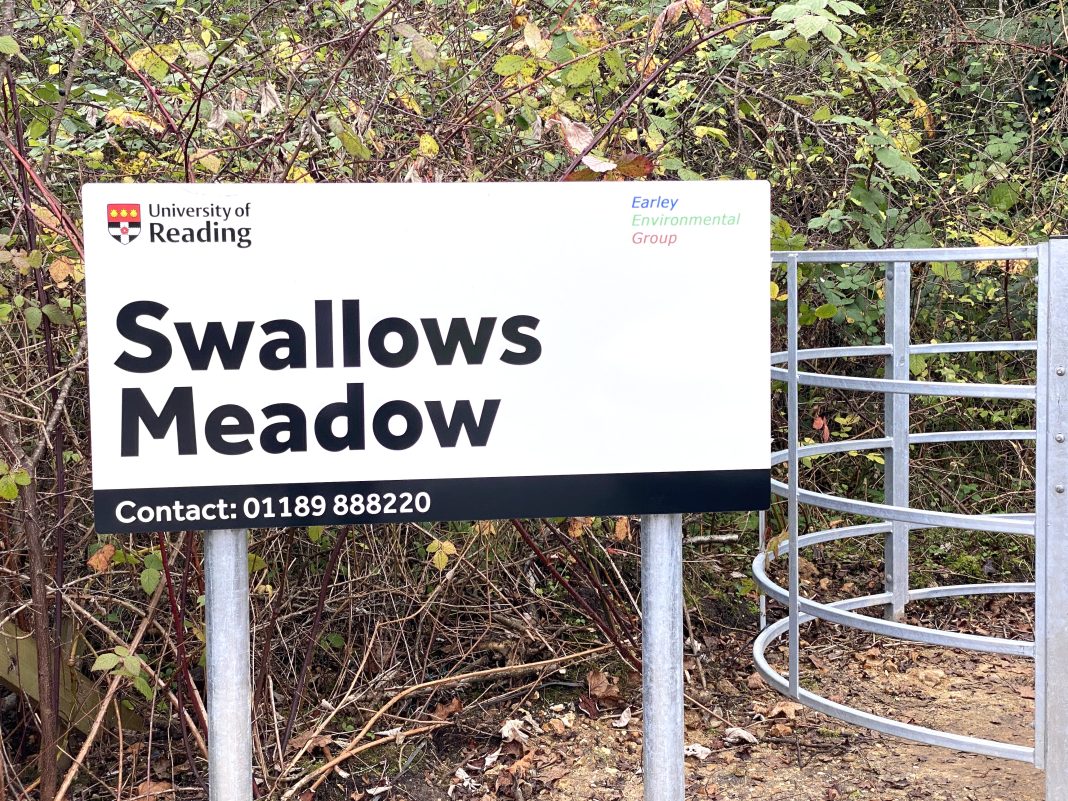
{"type": "Point", "coordinates": [537, 44]}
{"type": "Point", "coordinates": [428, 146]}
{"type": "Point", "coordinates": [46, 217]}
{"type": "Point", "coordinates": [63, 269]}
{"type": "Point", "coordinates": [440, 560]}
{"type": "Point", "coordinates": [208, 160]}
{"type": "Point", "coordinates": [299, 175]}
{"type": "Point", "coordinates": [448, 548]}
{"type": "Point", "coordinates": [125, 118]}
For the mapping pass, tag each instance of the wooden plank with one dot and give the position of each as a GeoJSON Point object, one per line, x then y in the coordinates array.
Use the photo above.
{"type": "Point", "coordinates": [79, 699]}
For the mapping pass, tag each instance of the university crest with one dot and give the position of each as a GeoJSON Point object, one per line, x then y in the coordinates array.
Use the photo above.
{"type": "Point", "coordinates": [124, 221]}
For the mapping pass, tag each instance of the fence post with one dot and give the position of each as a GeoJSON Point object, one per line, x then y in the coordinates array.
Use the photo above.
{"type": "Point", "coordinates": [229, 684]}
{"type": "Point", "coordinates": [896, 421]}
{"type": "Point", "coordinates": [662, 690]}
{"type": "Point", "coordinates": [1051, 524]}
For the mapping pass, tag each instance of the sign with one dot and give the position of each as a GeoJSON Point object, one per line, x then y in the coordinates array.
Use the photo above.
{"type": "Point", "coordinates": [279, 355]}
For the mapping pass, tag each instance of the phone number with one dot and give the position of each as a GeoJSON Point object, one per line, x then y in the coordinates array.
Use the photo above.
{"type": "Point", "coordinates": [373, 503]}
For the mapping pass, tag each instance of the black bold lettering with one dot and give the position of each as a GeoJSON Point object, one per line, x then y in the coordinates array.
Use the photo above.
{"type": "Point", "coordinates": [159, 347]}
{"type": "Point", "coordinates": [463, 418]}
{"type": "Point", "coordinates": [324, 333]}
{"type": "Point", "coordinates": [351, 409]}
{"type": "Point", "coordinates": [350, 332]}
{"type": "Point", "coordinates": [216, 429]}
{"type": "Point", "coordinates": [155, 232]}
{"type": "Point", "coordinates": [295, 427]}
{"type": "Point", "coordinates": [376, 342]}
{"type": "Point", "coordinates": [531, 347]}
{"type": "Point", "coordinates": [177, 412]}
{"type": "Point", "coordinates": [474, 348]}
{"type": "Point", "coordinates": [199, 354]}
{"type": "Point", "coordinates": [413, 427]}
{"type": "Point", "coordinates": [295, 344]}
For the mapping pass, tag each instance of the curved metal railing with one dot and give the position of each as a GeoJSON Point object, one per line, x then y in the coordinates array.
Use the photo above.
{"type": "Point", "coordinates": [897, 517]}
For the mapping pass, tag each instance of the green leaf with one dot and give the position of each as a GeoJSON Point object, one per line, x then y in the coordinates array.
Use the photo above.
{"type": "Point", "coordinates": [56, 315]}
{"type": "Point", "coordinates": [785, 13]}
{"type": "Point", "coordinates": [335, 640]}
{"type": "Point", "coordinates": [509, 64]}
{"type": "Point", "coordinates": [826, 311]}
{"type": "Point", "coordinates": [8, 489]}
{"type": "Point", "coordinates": [8, 46]}
{"type": "Point", "coordinates": [583, 72]}
{"type": "Point", "coordinates": [763, 42]}
{"type": "Point", "coordinates": [353, 144]}
{"type": "Point", "coordinates": [256, 563]}
{"type": "Point", "coordinates": [822, 114]}
{"type": "Point", "coordinates": [315, 533]}
{"type": "Point", "coordinates": [105, 661]}
{"type": "Point", "coordinates": [33, 317]}
{"type": "Point", "coordinates": [154, 561]}
{"type": "Point", "coordinates": [1004, 196]}
{"type": "Point", "coordinates": [149, 580]}
{"type": "Point", "coordinates": [895, 161]}
{"type": "Point", "coordinates": [614, 61]}
{"type": "Point", "coordinates": [132, 664]}
{"type": "Point", "coordinates": [809, 25]}
{"type": "Point", "coordinates": [22, 478]}
{"type": "Point", "coordinates": [833, 33]}
{"type": "Point", "coordinates": [143, 687]}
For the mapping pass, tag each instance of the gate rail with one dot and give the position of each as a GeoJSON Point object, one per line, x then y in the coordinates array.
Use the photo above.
{"type": "Point", "coordinates": [897, 518]}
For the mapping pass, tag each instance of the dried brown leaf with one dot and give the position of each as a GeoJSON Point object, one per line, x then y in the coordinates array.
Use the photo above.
{"type": "Point", "coordinates": [101, 560]}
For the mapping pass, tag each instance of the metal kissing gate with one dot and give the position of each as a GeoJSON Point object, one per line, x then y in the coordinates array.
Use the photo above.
{"type": "Point", "coordinates": [896, 517]}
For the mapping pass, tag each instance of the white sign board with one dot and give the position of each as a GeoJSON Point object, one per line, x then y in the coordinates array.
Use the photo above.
{"type": "Point", "coordinates": [277, 355]}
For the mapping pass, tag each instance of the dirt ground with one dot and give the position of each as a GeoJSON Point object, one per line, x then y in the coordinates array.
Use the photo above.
{"type": "Point", "coordinates": [559, 751]}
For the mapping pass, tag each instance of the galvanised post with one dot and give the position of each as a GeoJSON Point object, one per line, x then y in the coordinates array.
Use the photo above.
{"type": "Point", "coordinates": [1051, 635]}
{"type": "Point", "coordinates": [662, 691]}
{"type": "Point", "coordinates": [229, 684]}
{"type": "Point", "coordinates": [896, 422]}
{"type": "Point", "coordinates": [795, 474]}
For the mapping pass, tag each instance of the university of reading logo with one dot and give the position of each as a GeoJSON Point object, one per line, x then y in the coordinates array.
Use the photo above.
{"type": "Point", "coordinates": [124, 221]}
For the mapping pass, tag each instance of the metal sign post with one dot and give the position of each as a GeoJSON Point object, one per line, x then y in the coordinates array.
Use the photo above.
{"type": "Point", "coordinates": [229, 684]}
{"type": "Point", "coordinates": [662, 693]}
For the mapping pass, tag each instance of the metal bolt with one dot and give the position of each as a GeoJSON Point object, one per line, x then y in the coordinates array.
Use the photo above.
{"type": "Point", "coordinates": [1059, 437]}
{"type": "Point", "coordinates": [1060, 371]}
{"type": "Point", "coordinates": [889, 276]}
{"type": "Point", "coordinates": [1059, 488]}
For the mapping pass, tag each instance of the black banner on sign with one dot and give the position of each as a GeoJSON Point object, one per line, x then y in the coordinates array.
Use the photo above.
{"type": "Point", "coordinates": [333, 503]}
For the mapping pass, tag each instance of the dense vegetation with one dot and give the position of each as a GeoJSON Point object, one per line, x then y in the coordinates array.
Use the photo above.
{"type": "Point", "coordinates": [878, 124]}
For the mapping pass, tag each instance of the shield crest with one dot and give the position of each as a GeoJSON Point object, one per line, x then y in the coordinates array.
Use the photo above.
{"type": "Point", "coordinates": [124, 221]}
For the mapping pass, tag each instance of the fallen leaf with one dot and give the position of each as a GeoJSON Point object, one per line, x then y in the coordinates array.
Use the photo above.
{"type": "Point", "coordinates": [101, 560]}
{"type": "Point", "coordinates": [589, 706]}
{"type": "Point", "coordinates": [603, 687]}
{"type": "Point", "coordinates": [443, 711]}
{"type": "Point", "coordinates": [786, 709]}
{"type": "Point", "coordinates": [622, 532]}
{"type": "Point", "coordinates": [698, 751]}
{"type": "Point", "coordinates": [755, 682]}
{"type": "Point", "coordinates": [728, 689]}
{"type": "Point", "coordinates": [735, 735]}
{"type": "Point", "coordinates": [512, 731]}
{"type": "Point", "coordinates": [623, 720]}
{"type": "Point", "coordinates": [63, 269]}
{"type": "Point", "coordinates": [311, 739]}
{"type": "Point", "coordinates": [780, 730]}
{"type": "Point", "coordinates": [556, 726]}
